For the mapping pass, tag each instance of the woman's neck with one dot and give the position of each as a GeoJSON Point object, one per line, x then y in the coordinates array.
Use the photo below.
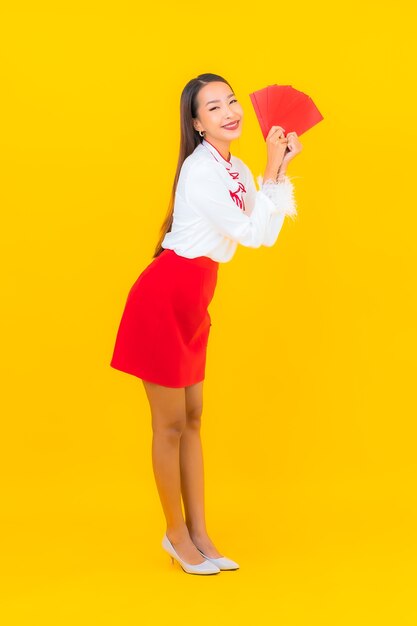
{"type": "Point", "coordinates": [222, 146]}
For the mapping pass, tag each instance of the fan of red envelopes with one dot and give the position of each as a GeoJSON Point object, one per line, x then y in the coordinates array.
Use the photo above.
{"type": "Point", "coordinates": [282, 105]}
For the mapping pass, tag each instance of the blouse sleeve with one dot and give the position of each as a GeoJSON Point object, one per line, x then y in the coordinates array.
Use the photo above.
{"type": "Point", "coordinates": [281, 196]}
{"type": "Point", "coordinates": [207, 191]}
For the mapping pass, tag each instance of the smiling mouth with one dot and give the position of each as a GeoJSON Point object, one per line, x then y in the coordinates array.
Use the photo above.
{"type": "Point", "coordinates": [232, 126]}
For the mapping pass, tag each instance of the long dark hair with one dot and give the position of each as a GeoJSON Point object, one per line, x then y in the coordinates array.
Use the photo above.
{"type": "Point", "coordinates": [190, 139]}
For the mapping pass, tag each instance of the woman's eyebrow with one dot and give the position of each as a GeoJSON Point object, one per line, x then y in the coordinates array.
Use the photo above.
{"type": "Point", "coordinates": [210, 101]}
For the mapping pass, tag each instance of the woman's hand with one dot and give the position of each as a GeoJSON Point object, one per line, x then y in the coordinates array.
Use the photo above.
{"type": "Point", "coordinates": [294, 147]}
{"type": "Point", "coordinates": [276, 145]}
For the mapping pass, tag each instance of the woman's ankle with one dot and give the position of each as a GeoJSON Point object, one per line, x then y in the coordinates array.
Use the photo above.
{"type": "Point", "coordinates": [177, 532]}
{"type": "Point", "coordinates": [197, 532]}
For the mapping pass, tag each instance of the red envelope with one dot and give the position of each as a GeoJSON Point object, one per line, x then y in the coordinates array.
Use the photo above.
{"type": "Point", "coordinates": [283, 105]}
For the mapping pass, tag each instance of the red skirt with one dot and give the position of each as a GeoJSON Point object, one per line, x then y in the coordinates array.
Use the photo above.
{"type": "Point", "coordinates": [165, 325]}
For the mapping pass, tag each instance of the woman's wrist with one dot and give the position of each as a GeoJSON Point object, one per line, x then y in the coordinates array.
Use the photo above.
{"type": "Point", "coordinates": [275, 174]}
{"type": "Point", "coordinates": [270, 173]}
{"type": "Point", "coordinates": [282, 172]}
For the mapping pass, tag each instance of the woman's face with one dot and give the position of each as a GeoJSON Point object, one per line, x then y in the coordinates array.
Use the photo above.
{"type": "Point", "coordinates": [213, 117]}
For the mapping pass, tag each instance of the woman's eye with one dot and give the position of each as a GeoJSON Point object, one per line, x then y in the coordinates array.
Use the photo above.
{"type": "Point", "coordinates": [235, 100]}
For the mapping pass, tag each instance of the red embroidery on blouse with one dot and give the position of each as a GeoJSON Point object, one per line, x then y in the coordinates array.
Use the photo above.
{"type": "Point", "coordinates": [237, 195]}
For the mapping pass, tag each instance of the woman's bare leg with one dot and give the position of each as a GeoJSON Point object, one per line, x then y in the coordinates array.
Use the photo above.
{"type": "Point", "coordinates": [168, 412]}
{"type": "Point", "coordinates": [192, 471]}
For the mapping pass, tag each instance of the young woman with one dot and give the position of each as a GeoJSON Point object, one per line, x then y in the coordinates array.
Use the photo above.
{"type": "Point", "coordinates": [163, 333]}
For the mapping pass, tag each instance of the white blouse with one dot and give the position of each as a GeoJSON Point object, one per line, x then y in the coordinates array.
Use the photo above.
{"type": "Point", "coordinates": [217, 206]}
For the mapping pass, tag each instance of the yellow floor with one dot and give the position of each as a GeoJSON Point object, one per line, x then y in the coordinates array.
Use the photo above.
{"type": "Point", "coordinates": [310, 554]}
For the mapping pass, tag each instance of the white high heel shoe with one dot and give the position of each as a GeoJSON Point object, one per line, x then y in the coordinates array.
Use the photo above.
{"type": "Point", "coordinates": [222, 562]}
{"type": "Point", "coordinates": [206, 567]}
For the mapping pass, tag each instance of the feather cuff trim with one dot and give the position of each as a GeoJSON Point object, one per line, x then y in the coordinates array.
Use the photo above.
{"type": "Point", "coordinates": [281, 194]}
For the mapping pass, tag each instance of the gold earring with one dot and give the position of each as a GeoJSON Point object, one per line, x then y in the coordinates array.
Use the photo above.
{"type": "Point", "coordinates": [201, 133]}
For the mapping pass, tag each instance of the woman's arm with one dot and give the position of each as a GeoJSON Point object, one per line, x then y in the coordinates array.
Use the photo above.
{"type": "Point", "coordinates": [207, 191]}
{"type": "Point", "coordinates": [281, 196]}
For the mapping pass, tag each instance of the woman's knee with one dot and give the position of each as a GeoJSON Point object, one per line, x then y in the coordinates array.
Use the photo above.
{"type": "Point", "coordinates": [169, 425]}
{"type": "Point", "coordinates": [194, 405]}
{"type": "Point", "coordinates": [194, 414]}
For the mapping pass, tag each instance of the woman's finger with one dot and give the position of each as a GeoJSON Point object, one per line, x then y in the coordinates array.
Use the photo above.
{"type": "Point", "coordinates": [277, 128]}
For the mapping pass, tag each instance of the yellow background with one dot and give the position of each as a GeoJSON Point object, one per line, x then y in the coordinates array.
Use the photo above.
{"type": "Point", "coordinates": [309, 407]}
